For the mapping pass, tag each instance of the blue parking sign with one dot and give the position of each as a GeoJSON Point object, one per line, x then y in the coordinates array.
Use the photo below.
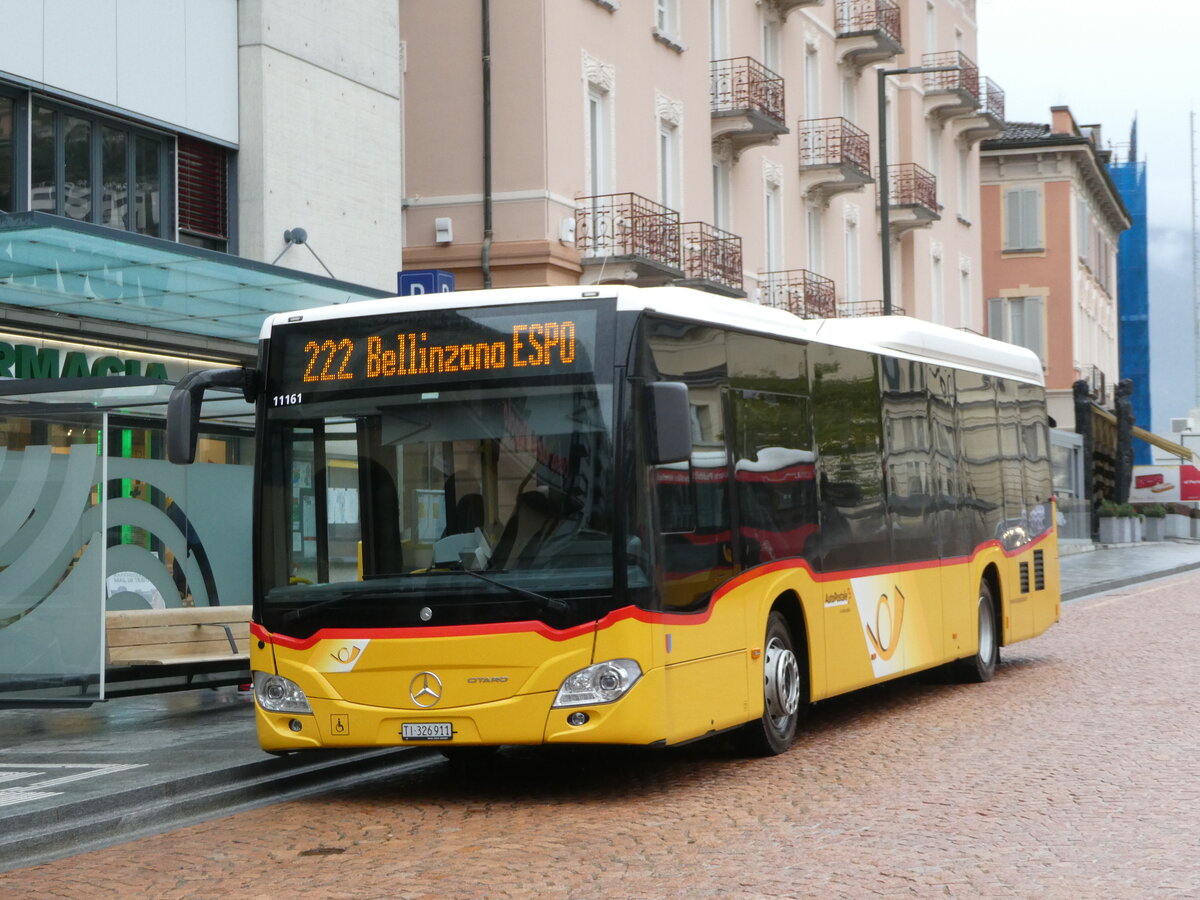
{"type": "Point", "coordinates": [425, 281]}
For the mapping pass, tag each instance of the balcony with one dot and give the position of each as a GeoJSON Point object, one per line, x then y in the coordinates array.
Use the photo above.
{"type": "Point", "coordinates": [747, 103]}
{"type": "Point", "coordinates": [801, 292]}
{"type": "Point", "coordinates": [868, 31]}
{"type": "Point", "coordinates": [868, 308]}
{"type": "Point", "coordinates": [627, 238]}
{"type": "Point", "coordinates": [952, 93]}
{"type": "Point", "coordinates": [712, 259]}
{"type": "Point", "coordinates": [835, 156]}
{"type": "Point", "coordinates": [783, 7]}
{"type": "Point", "coordinates": [988, 119]}
{"type": "Point", "coordinates": [912, 198]}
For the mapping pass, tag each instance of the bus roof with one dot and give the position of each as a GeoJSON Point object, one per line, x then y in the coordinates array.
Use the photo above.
{"type": "Point", "coordinates": [899, 336]}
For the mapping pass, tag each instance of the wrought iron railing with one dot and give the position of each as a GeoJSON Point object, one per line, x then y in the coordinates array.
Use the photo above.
{"type": "Point", "coordinates": [627, 225]}
{"type": "Point", "coordinates": [746, 84]}
{"type": "Point", "coordinates": [965, 77]}
{"type": "Point", "coordinates": [833, 142]}
{"type": "Point", "coordinates": [868, 308]}
{"type": "Point", "coordinates": [993, 99]}
{"type": "Point", "coordinates": [860, 16]}
{"type": "Point", "coordinates": [710, 254]}
{"type": "Point", "coordinates": [801, 292]}
{"type": "Point", "coordinates": [911, 185]}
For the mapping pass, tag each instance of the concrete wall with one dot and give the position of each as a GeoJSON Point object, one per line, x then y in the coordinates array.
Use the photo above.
{"type": "Point", "coordinates": [172, 61]}
{"type": "Point", "coordinates": [321, 149]}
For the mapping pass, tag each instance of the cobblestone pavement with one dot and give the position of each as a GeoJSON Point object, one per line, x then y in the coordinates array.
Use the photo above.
{"type": "Point", "coordinates": [1074, 774]}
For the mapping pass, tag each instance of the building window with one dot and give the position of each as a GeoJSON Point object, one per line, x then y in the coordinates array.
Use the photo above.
{"type": "Point", "coordinates": [598, 140]}
{"type": "Point", "coordinates": [964, 184]}
{"type": "Point", "coordinates": [850, 97]}
{"type": "Point", "coordinates": [812, 83]}
{"type": "Point", "coordinates": [772, 228]}
{"type": "Point", "coordinates": [770, 41]}
{"type": "Point", "coordinates": [8, 160]}
{"type": "Point", "coordinates": [816, 237]}
{"type": "Point", "coordinates": [937, 293]}
{"type": "Point", "coordinates": [851, 279]}
{"type": "Point", "coordinates": [965, 306]}
{"type": "Point", "coordinates": [722, 217]}
{"type": "Point", "coordinates": [203, 182]}
{"type": "Point", "coordinates": [1018, 320]}
{"type": "Point", "coordinates": [666, 23]}
{"type": "Point", "coordinates": [1023, 219]}
{"type": "Point", "coordinates": [718, 29]}
{"type": "Point", "coordinates": [100, 170]}
{"type": "Point", "coordinates": [668, 164]}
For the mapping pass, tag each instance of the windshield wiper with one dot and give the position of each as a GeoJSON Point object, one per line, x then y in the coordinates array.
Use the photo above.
{"type": "Point", "coordinates": [551, 604]}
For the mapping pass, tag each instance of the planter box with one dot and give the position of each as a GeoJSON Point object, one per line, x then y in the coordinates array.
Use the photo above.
{"type": "Point", "coordinates": [1110, 530]}
{"type": "Point", "coordinates": [1195, 530]}
{"type": "Point", "coordinates": [1135, 529]}
{"type": "Point", "coordinates": [1154, 529]}
{"type": "Point", "coordinates": [1177, 526]}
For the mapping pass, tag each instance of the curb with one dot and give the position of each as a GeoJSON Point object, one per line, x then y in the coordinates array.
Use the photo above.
{"type": "Point", "coordinates": [1115, 584]}
{"type": "Point", "coordinates": [55, 832]}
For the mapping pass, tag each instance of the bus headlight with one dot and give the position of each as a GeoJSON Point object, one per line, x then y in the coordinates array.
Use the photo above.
{"type": "Point", "coordinates": [601, 683]}
{"type": "Point", "coordinates": [275, 693]}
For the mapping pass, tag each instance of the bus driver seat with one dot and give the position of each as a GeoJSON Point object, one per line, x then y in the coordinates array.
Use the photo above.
{"type": "Point", "coordinates": [525, 529]}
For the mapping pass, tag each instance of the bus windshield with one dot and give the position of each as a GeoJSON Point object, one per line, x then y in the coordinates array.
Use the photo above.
{"type": "Point", "coordinates": [491, 494]}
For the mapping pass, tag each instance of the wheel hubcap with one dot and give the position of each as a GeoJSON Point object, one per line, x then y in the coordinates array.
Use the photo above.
{"type": "Point", "coordinates": [987, 635]}
{"type": "Point", "coordinates": [782, 687]}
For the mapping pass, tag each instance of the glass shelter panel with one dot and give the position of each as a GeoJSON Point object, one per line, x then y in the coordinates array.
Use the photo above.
{"type": "Point", "coordinates": [94, 520]}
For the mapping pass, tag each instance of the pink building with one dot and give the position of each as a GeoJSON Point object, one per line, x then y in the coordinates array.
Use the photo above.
{"type": "Point", "coordinates": [725, 144]}
{"type": "Point", "coordinates": [1051, 216]}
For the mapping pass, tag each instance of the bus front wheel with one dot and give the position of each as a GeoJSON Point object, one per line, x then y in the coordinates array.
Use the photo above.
{"type": "Point", "coordinates": [785, 693]}
{"type": "Point", "coordinates": [981, 665]}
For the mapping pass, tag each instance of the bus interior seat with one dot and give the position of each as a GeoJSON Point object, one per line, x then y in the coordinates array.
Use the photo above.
{"type": "Point", "coordinates": [525, 529]}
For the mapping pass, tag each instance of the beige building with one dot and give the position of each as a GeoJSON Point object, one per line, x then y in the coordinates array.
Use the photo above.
{"type": "Point", "coordinates": [733, 145]}
{"type": "Point", "coordinates": [1052, 218]}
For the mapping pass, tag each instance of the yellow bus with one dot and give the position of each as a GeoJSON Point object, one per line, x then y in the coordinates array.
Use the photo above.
{"type": "Point", "coordinates": [620, 515]}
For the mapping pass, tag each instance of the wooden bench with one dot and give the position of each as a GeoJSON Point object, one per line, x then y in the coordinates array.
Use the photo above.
{"type": "Point", "coordinates": [176, 649]}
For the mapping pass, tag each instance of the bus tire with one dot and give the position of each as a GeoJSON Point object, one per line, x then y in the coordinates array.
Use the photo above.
{"type": "Point", "coordinates": [785, 693]}
{"type": "Point", "coordinates": [981, 665]}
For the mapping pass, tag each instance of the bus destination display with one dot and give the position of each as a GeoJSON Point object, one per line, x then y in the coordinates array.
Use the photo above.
{"type": "Point", "coordinates": [430, 347]}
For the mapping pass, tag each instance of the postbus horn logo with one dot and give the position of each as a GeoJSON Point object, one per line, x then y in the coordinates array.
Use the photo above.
{"type": "Point", "coordinates": [425, 689]}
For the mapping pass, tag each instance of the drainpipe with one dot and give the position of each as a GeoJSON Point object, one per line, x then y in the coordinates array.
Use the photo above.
{"type": "Point", "coordinates": [485, 261]}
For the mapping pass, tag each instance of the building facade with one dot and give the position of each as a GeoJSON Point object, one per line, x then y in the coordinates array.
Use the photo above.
{"type": "Point", "coordinates": [732, 146]}
{"type": "Point", "coordinates": [171, 171]}
{"type": "Point", "coordinates": [1052, 218]}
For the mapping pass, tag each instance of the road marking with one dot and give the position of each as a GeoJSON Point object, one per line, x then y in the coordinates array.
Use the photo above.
{"type": "Point", "coordinates": [34, 790]}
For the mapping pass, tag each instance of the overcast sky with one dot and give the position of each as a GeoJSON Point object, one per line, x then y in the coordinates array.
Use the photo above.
{"type": "Point", "coordinates": [1109, 61]}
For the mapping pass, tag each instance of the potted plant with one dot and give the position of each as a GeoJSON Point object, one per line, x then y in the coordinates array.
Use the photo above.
{"type": "Point", "coordinates": [1154, 522]}
{"type": "Point", "coordinates": [1131, 525]}
{"type": "Point", "coordinates": [1106, 515]}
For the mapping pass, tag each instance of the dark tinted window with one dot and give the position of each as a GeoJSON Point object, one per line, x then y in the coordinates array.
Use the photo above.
{"type": "Point", "coordinates": [982, 485]}
{"type": "Point", "coordinates": [908, 441]}
{"type": "Point", "coordinates": [846, 419]}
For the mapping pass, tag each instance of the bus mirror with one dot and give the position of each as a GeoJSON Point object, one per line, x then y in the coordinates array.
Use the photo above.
{"type": "Point", "coordinates": [183, 408]}
{"type": "Point", "coordinates": [670, 422]}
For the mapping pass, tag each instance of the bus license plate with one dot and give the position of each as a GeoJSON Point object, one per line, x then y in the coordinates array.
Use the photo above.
{"type": "Point", "coordinates": [426, 731]}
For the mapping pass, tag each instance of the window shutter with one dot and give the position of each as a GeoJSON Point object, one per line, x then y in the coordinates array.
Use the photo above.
{"type": "Point", "coordinates": [996, 318]}
{"type": "Point", "coordinates": [1030, 217]}
{"type": "Point", "coordinates": [1034, 327]}
{"type": "Point", "coordinates": [203, 189]}
{"type": "Point", "coordinates": [1012, 219]}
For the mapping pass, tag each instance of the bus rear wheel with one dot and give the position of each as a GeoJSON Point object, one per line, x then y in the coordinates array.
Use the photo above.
{"type": "Point", "coordinates": [785, 693]}
{"type": "Point", "coordinates": [981, 666]}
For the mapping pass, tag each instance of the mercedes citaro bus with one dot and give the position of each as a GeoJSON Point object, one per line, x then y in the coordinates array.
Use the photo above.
{"type": "Point", "coordinates": [626, 516]}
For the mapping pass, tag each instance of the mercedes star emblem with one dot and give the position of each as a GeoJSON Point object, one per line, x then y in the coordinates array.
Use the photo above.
{"type": "Point", "coordinates": [425, 689]}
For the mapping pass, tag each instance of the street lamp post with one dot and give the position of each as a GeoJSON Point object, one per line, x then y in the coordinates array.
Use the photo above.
{"type": "Point", "coordinates": [885, 237]}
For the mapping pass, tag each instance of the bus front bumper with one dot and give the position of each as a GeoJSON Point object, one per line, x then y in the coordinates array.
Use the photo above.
{"type": "Point", "coordinates": [637, 719]}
